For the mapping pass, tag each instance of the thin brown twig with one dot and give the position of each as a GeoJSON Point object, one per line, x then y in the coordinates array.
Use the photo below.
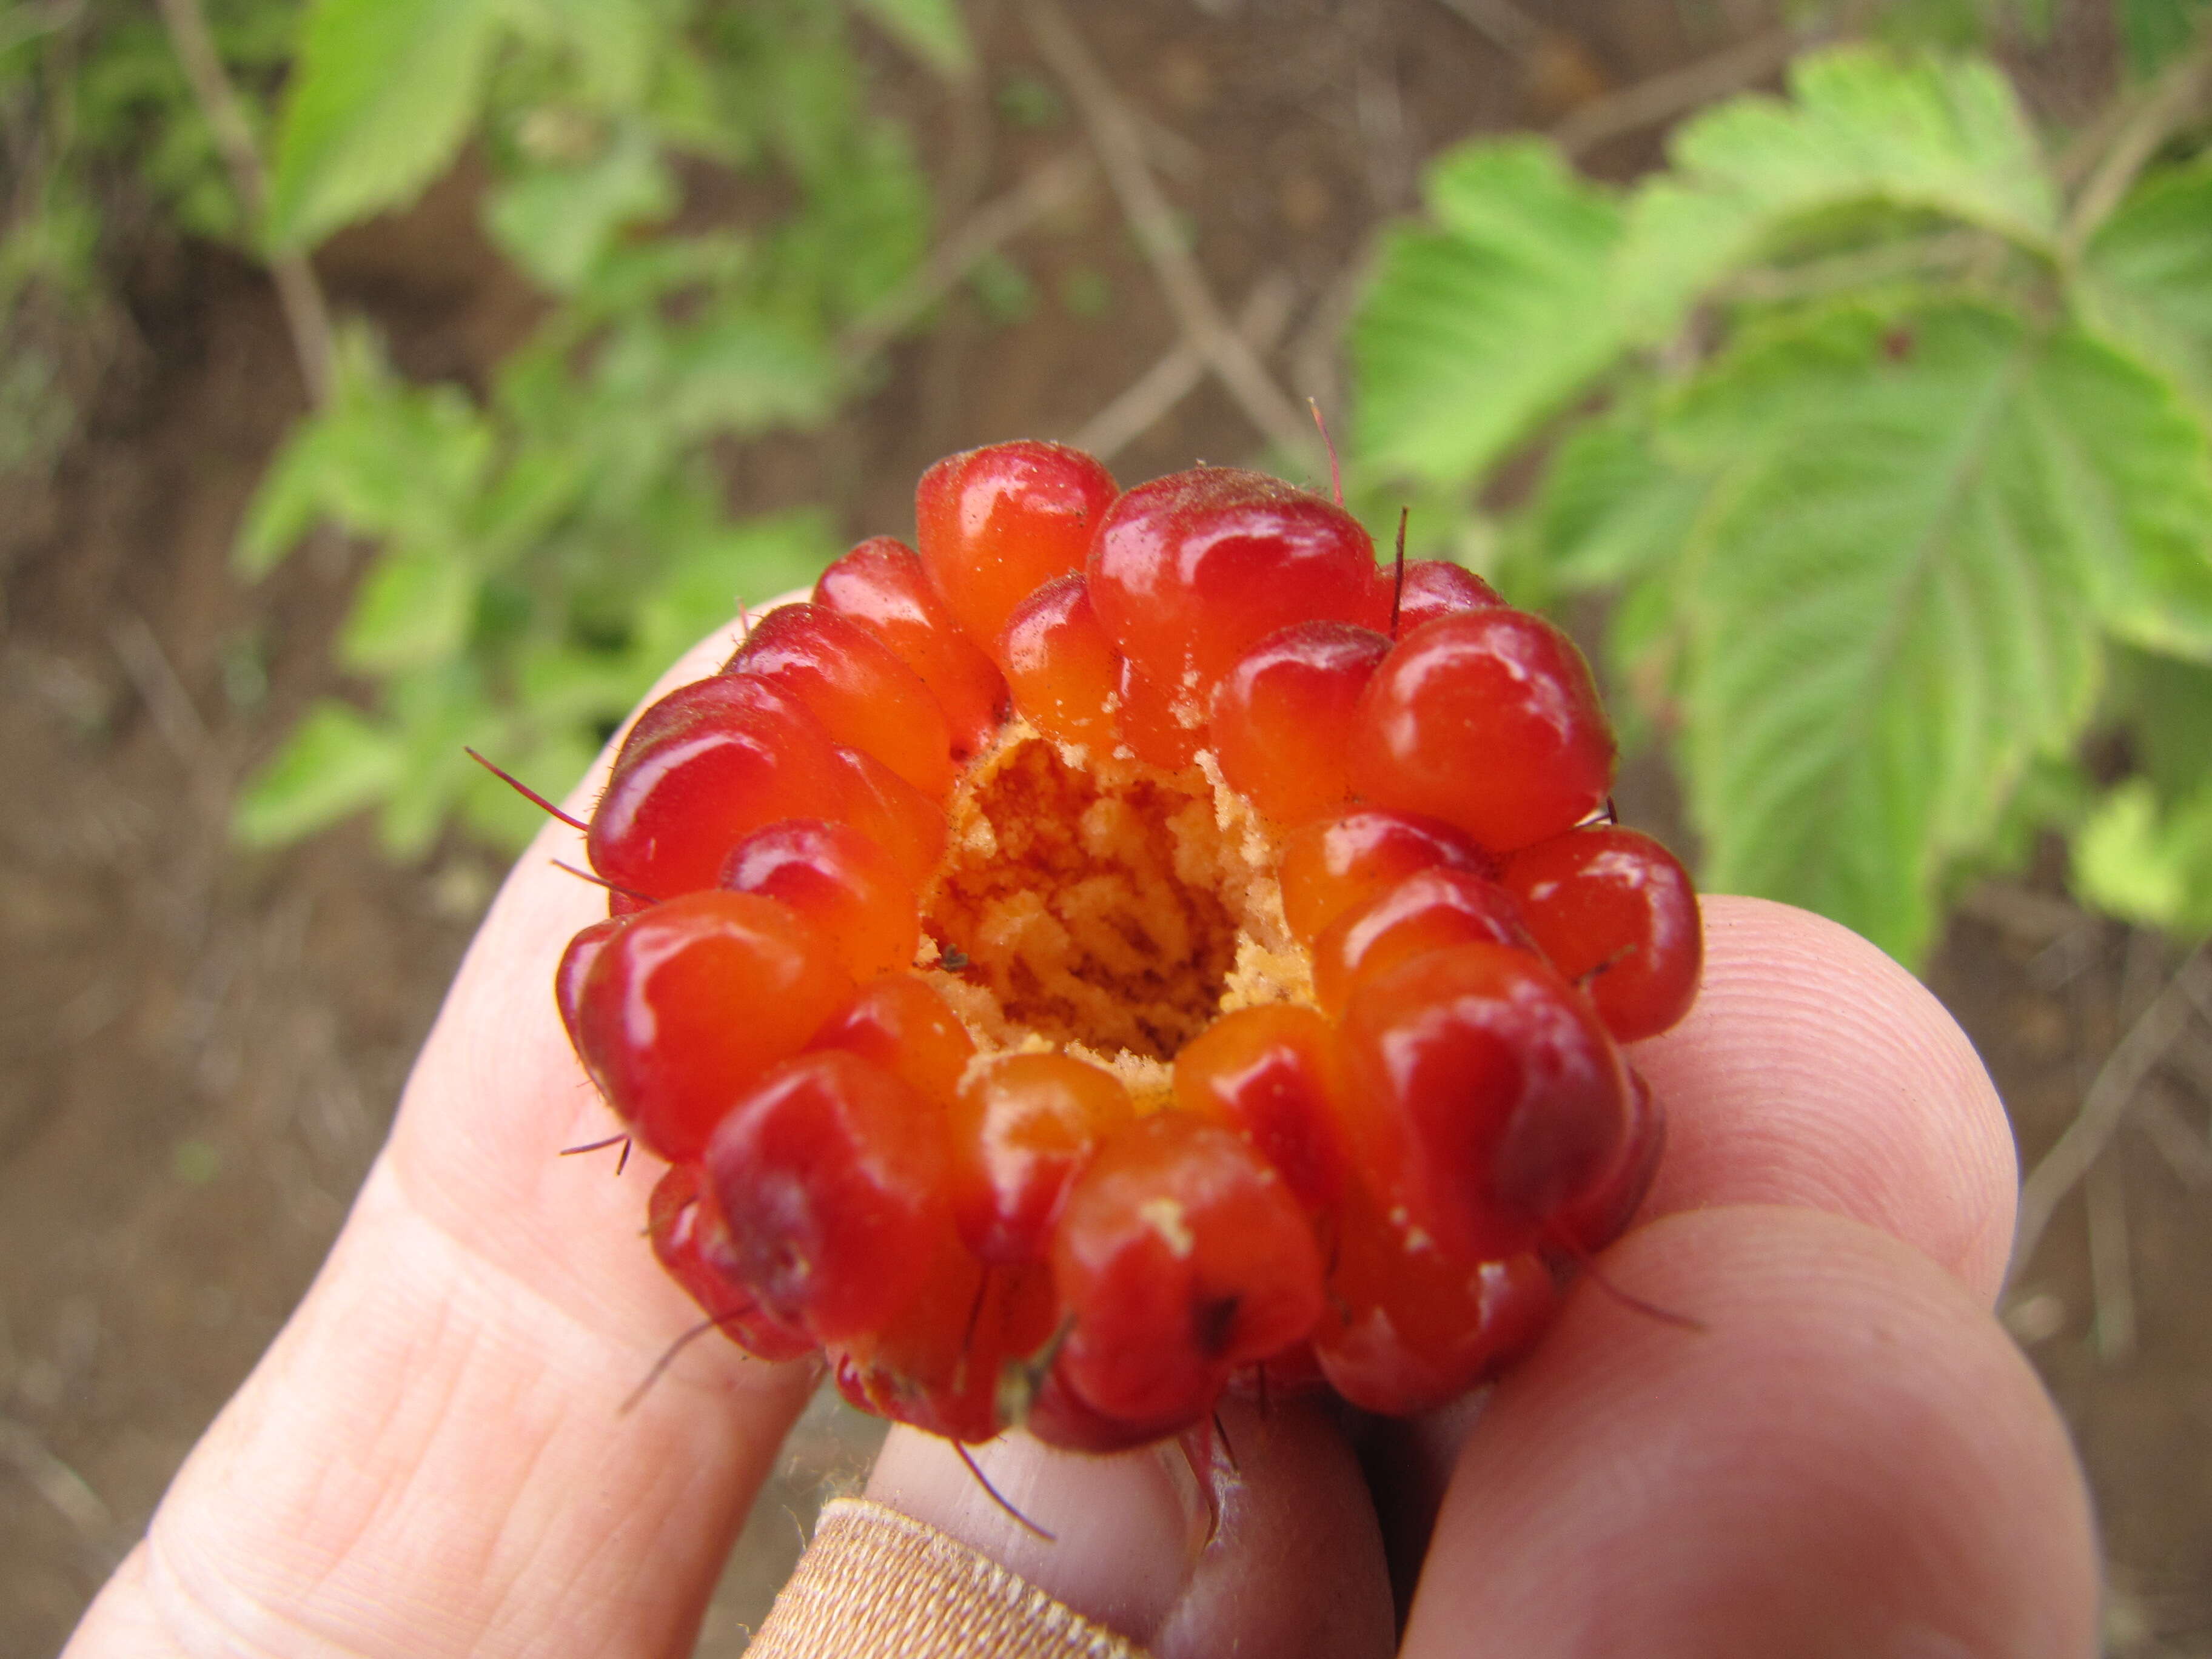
{"type": "Point", "coordinates": [2105, 1107]}
{"type": "Point", "coordinates": [2112, 1272]}
{"type": "Point", "coordinates": [1502, 23]}
{"type": "Point", "coordinates": [1663, 96]}
{"type": "Point", "coordinates": [62, 1487]}
{"type": "Point", "coordinates": [2173, 99]}
{"type": "Point", "coordinates": [1198, 314]}
{"type": "Point", "coordinates": [306, 315]}
{"type": "Point", "coordinates": [2184, 1147]}
{"type": "Point", "coordinates": [1260, 321]}
{"type": "Point", "coordinates": [1045, 191]}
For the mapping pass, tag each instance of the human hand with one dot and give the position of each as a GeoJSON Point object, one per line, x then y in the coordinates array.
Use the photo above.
{"type": "Point", "coordinates": [433, 1457]}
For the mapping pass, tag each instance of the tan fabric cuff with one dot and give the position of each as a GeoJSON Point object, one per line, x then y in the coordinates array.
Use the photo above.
{"type": "Point", "coordinates": [875, 1583]}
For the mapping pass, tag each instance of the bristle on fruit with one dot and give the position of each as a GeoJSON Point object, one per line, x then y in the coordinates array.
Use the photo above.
{"type": "Point", "coordinates": [1134, 946]}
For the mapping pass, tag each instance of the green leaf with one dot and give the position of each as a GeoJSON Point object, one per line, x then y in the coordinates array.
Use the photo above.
{"type": "Point", "coordinates": [437, 712]}
{"type": "Point", "coordinates": [614, 43]}
{"type": "Point", "coordinates": [1864, 128]}
{"type": "Point", "coordinates": [382, 97]}
{"type": "Point", "coordinates": [335, 762]}
{"type": "Point", "coordinates": [716, 567]}
{"type": "Point", "coordinates": [413, 608]}
{"type": "Point", "coordinates": [1476, 331]}
{"type": "Point", "coordinates": [2154, 32]}
{"type": "Point", "coordinates": [2132, 474]}
{"type": "Point", "coordinates": [382, 457]}
{"type": "Point", "coordinates": [745, 373]}
{"type": "Point", "coordinates": [1612, 509]}
{"type": "Point", "coordinates": [557, 222]}
{"type": "Point", "coordinates": [2142, 864]}
{"type": "Point", "coordinates": [2146, 278]}
{"type": "Point", "coordinates": [1888, 598]}
{"type": "Point", "coordinates": [1533, 281]}
{"type": "Point", "coordinates": [931, 29]}
{"type": "Point", "coordinates": [2166, 708]}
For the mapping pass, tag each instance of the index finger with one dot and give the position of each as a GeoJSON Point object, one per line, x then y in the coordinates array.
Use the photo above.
{"type": "Point", "coordinates": [435, 1456]}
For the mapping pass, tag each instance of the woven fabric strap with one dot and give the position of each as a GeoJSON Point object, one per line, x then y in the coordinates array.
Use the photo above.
{"type": "Point", "coordinates": [875, 1583]}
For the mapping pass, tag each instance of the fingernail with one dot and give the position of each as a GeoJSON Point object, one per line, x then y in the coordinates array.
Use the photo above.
{"type": "Point", "coordinates": [1125, 1532]}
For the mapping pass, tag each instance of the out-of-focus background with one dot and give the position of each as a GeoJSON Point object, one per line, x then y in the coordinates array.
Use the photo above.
{"type": "Point", "coordinates": [385, 376]}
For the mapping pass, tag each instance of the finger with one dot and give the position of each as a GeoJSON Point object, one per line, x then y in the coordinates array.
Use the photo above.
{"type": "Point", "coordinates": [1851, 1458]}
{"type": "Point", "coordinates": [1814, 1071]}
{"type": "Point", "coordinates": [434, 1457]}
{"type": "Point", "coordinates": [1283, 1558]}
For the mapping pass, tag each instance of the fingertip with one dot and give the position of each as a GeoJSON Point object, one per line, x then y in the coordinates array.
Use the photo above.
{"type": "Point", "coordinates": [1851, 1457]}
{"type": "Point", "coordinates": [1815, 1071]}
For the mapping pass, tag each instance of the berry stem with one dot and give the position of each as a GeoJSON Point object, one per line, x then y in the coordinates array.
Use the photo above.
{"type": "Point", "coordinates": [661, 1365]}
{"type": "Point", "coordinates": [621, 1163]}
{"type": "Point", "coordinates": [1398, 573]}
{"type": "Point", "coordinates": [992, 1492]}
{"type": "Point", "coordinates": [525, 791]}
{"type": "Point", "coordinates": [601, 881]}
{"type": "Point", "coordinates": [1335, 472]}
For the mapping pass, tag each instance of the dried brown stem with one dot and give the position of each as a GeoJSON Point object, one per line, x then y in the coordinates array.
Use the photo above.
{"type": "Point", "coordinates": [1261, 321]}
{"type": "Point", "coordinates": [1046, 190]}
{"type": "Point", "coordinates": [1115, 134]}
{"type": "Point", "coordinates": [2104, 1108]}
{"type": "Point", "coordinates": [1664, 96]}
{"type": "Point", "coordinates": [2174, 99]}
{"type": "Point", "coordinates": [306, 315]}
{"type": "Point", "coordinates": [1502, 23]}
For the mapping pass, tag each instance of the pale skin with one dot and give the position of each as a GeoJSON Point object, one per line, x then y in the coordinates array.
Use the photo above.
{"type": "Point", "coordinates": [1851, 1458]}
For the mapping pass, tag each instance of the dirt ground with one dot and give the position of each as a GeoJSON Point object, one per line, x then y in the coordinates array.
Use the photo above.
{"type": "Point", "coordinates": [202, 1048]}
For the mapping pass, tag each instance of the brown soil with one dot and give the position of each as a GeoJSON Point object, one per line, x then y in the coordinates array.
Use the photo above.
{"type": "Point", "coordinates": [203, 1047]}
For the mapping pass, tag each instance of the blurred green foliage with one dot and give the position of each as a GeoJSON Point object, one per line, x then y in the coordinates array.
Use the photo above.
{"type": "Point", "coordinates": [541, 551]}
{"type": "Point", "coordinates": [1891, 444]}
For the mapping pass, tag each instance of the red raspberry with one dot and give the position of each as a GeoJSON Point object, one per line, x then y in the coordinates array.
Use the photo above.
{"type": "Point", "coordinates": [1228, 992]}
{"type": "Point", "coordinates": [1488, 720]}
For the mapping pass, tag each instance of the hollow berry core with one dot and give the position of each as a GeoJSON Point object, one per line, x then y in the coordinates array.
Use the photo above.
{"type": "Point", "coordinates": [1098, 902]}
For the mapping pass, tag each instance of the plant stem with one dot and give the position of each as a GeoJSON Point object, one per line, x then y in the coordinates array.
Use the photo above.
{"type": "Point", "coordinates": [2176, 95]}
{"type": "Point", "coordinates": [306, 315]}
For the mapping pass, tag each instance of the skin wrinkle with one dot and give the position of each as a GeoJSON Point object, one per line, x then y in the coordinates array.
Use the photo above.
{"type": "Point", "coordinates": [379, 1218]}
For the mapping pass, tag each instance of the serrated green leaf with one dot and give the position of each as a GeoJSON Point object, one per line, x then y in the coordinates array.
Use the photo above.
{"type": "Point", "coordinates": [2142, 864]}
{"type": "Point", "coordinates": [1473, 332]}
{"type": "Point", "coordinates": [2146, 278]}
{"type": "Point", "coordinates": [1533, 281]}
{"type": "Point", "coordinates": [932, 30]}
{"type": "Point", "coordinates": [1889, 599]}
{"type": "Point", "coordinates": [382, 96]}
{"type": "Point", "coordinates": [335, 762]}
{"type": "Point", "coordinates": [414, 607]}
{"type": "Point", "coordinates": [2131, 474]}
{"type": "Point", "coordinates": [557, 222]}
{"type": "Point", "coordinates": [1863, 127]}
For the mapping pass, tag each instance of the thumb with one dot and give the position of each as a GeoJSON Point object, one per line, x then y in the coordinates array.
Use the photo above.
{"type": "Point", "coordinates": [1275, 1549]}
